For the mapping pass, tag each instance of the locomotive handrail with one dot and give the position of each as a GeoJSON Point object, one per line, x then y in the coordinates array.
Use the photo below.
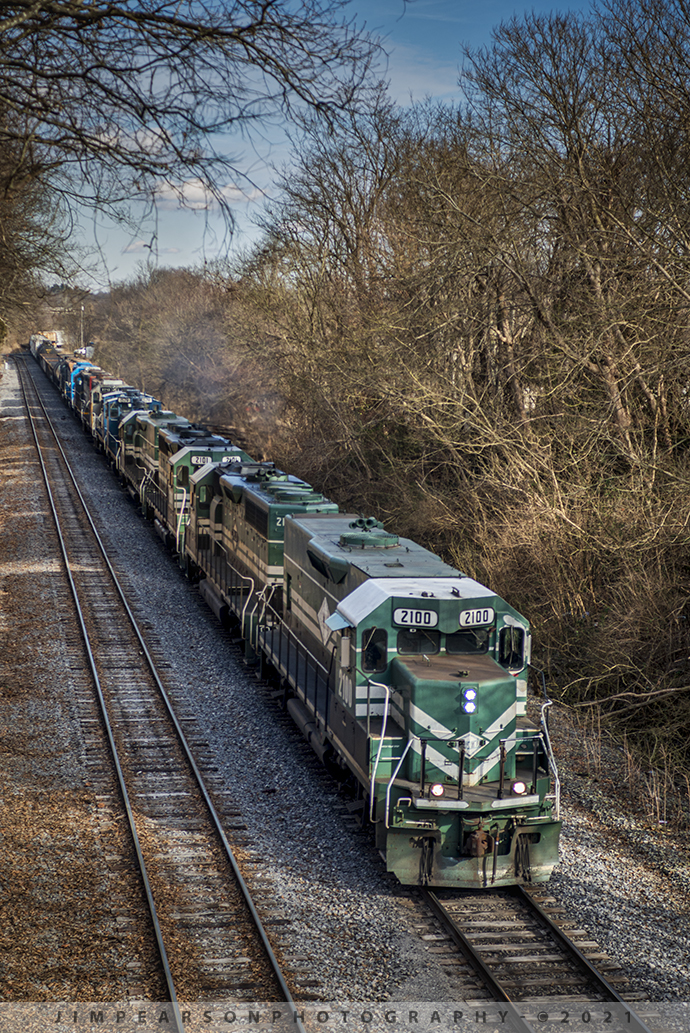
{"type": "Point", "coordinates": [252, 583]}
{"type": "Point", "coordinates": [389, 787]}
{"type": "Point", "coordinates": [142, 486]}
{"type": "Point", "coordinates": [291, 634]}
{"type": "Point", "coordinates": [179, 522]}
{"type": "Point", "coordinates": [546, 738]}
{"type": "Point", "coordinates": [258, 601]}
{"type": "Point", "coordinates": [386, 688]}
{"type": "Point", "coordinates": [542, 737]}
{"type": "Point", "coordinates": [551, 759]}
{"type": "Point", "coordinates": [266, 602]}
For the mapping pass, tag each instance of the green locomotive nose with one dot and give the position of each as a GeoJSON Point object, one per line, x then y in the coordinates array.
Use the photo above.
{"type": "Point", "coordinates": [473, 703]}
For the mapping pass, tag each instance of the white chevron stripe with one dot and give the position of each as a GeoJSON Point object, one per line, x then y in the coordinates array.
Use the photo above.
{"type": "Point", "coordinates": [483, 767]}
{"type": "Point", "coordinates": [499, 726]}
{"type": "Point", "coordinates": [373, 693]}
{"type": "Point", "coordinates": [448, 767]}
{"type": "Point", "coordinates": [497, 729]}
{"type": "Point", "coordinates": [429, 723]}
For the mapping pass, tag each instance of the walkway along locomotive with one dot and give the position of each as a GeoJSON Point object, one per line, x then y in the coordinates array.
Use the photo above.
{"type": "Point", "coordinates": [405, 675]}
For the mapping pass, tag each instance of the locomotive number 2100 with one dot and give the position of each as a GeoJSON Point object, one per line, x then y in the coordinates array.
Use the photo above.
{"type": "Point", "coordinates": [415, 618]}
{"type": "Point", "coordinates": [477, 618]}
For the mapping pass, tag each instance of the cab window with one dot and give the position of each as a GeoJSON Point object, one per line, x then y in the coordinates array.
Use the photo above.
{"type": "Point", "coordinates": [511, 648]}
{"type": "Point", "coordinates": [417, 640]}
{"type": "Point", "coordinates": [374, 649]}
{"type": "Point", "coordinates": [469, 641]}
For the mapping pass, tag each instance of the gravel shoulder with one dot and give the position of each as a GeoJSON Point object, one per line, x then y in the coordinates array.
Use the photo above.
{"type": "Point", "coordinates": [624, 871]}
{"type": "Point", "coordinates": [623, 876]}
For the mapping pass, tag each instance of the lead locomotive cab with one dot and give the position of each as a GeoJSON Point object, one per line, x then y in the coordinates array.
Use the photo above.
{"type": "Point", "coordinates": [422, 696]}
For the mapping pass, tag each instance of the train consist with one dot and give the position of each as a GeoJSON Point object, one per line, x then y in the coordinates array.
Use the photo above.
{"type": "Point", "coordinates": [407, 677]}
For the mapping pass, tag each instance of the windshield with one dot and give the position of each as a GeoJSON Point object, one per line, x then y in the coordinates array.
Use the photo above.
{"type": "Point", "coordinates": [417, 640]}
{"type": "Point", "coordinates": [476, 641]}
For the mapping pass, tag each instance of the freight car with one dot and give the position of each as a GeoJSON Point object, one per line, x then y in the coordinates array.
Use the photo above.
{"type": "Point", "coordinates": [46, 354]}
{"type": "Point", "coordinates": [407, 677]}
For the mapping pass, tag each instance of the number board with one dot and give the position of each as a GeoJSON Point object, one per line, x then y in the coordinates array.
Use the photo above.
{"type": "Point", "coordinates": [201, 460]}
{"type": "Point", "coordinates": [477, 618]}
{"type": "Point", "coordinates": [415, 618]}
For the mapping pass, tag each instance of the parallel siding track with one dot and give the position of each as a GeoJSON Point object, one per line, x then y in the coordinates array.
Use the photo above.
{"type": "Point", "coordinates": [208, 935]}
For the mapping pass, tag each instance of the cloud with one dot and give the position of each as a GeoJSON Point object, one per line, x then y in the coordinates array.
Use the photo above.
{"type": "Point", "coordinates": [194, 195]}
{"type": "Point", "coordinates": [140, 247]}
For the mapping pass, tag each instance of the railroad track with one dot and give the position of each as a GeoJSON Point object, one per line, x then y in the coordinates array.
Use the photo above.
{"type": "Point", "coordinates": [522, 949]}
{"type": "Point", "coordinates": [204, 928]}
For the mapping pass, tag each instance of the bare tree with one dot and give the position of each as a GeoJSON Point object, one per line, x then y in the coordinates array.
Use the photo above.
{"type": "Point", "coordinates": [117, 99]}
{"type": "Point", "coordinates": [33, 236]}
{"type": "Point", "coordinates": [179, 334]}
{"type": "Point", "coordinates": [564, 148]}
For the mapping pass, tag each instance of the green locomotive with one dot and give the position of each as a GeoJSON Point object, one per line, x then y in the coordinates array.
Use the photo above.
{"type": "Point", "coordinates": [403, 674]}
{"type": "Point", "coordinates": [235, 537]}
{"type": "Point", "coordinates": [413, 677]}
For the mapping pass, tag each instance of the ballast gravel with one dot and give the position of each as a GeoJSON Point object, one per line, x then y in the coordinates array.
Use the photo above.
{"type": "Point", "coordinates": [624, 877]}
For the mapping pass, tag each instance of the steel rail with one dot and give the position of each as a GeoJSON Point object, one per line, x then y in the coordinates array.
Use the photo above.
{"type": "Point", "coordinates": [590, 970]}
{"type": "Point", "coordinates": [273, 961]}
{"type": "Point", "coordinates": [632, 1021]}
{"type": "Point", "coordinates": [518, 1020]}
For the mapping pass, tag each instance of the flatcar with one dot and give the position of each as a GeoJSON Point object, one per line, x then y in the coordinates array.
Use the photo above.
{"type": "Point", "coordinates": [407, 677]}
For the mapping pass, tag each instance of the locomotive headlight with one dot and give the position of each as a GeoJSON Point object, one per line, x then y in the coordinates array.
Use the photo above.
{"type": "Point", "coordinates": [437, 790]}
{"type": "Point", "coordinates": [468, 703]}
{"type": "Point", "coordinates": [519, 788]}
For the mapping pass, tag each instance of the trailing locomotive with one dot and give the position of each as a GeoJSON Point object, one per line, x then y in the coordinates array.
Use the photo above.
{"type": "Point", "coordinates": [407, 677]}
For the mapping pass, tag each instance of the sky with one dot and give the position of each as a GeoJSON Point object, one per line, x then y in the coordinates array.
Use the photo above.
{"type": "Point", "coordinates": [422, 40]}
